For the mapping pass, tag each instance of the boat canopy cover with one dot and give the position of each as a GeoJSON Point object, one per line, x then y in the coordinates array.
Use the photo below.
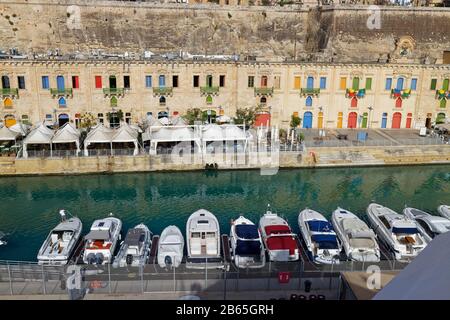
{"type": "Point", "coordinates": [398, 230]}
{"type": "Point", "coordinates": [320, 226]}
{"type": "Point", "coordinates": [248, 247]}
{"type": "Point", "coordinates": [277, 229]}
{"type": "Point", "coordinates": [98, 235]}
{"type": "Point", "coordinates": [135, 237]}
{"type": "Point", "coordinates": [247, 231]}
{"type": "Point", "coordinates": [325, 241]}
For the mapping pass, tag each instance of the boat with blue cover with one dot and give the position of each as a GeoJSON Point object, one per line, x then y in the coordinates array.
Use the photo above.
{"type": "Point", "coordinates": [247, 249]}
{"type": "Point", "coordinates": [320, 238]}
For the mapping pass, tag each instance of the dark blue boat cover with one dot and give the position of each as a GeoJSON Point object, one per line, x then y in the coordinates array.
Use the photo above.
{"type": "Point", "coordinates": [325, 241]}
{"type": "Point", "coordinates": [247, 231]}
{"type": "Point", "coordinates": [320, 226]}
{"type": "Point", "coordinates": [248, 247]}
{"type": "Point", "coordinates": [404, 230]}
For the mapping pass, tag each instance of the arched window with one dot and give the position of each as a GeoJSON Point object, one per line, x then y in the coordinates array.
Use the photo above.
{"type": "Point", "coordinates": [354, 102]}
{"type": "Point", "coordinates": [440, 118]}
{"type": "Point", "coordinates": [63, 119]}
{"type": "Point", "coordinates": [443, 103]}
{"type": "Point", "coordinates": [7, 103]}
{"type": "Point", "coordinates": [113, 101]}
{"type": "Point", "coordinates": [352, 120]}
{"type": "Point", "coordinates": [10, 120]}
{"type": "Point", "coordinates": [162, 100]}
{"type": "Point", "coordinates": [308, 101]}
{"type": "Point", "coordinates": [209, 99]}
{"type": "Point", "coordinates": [398, 102]}
{"type": "Point", "coordinates": [62, 102]}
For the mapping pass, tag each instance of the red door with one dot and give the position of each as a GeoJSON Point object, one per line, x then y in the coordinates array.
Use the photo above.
{"type": "Point", "coordinates": [396, 120]}
{"type": "Point", "coordinates": [352, 118]}
{"type": "Point", "coordinates": [262, 119]}
{"type": "Point", "coordinates": [408, 121]}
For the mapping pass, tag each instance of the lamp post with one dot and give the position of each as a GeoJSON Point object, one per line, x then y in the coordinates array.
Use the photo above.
{"type": "Point", "coordinates": [370, 116]}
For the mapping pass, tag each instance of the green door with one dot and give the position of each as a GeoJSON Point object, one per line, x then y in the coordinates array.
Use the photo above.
{"type": "Point", "coordinates": [364, 120]}
{"type": "Point", "coordinates": [443, 103]}
{"type": "Point", "coordinates": [355, 85]}
{"type": "Point", "coordinates": [445, 84]}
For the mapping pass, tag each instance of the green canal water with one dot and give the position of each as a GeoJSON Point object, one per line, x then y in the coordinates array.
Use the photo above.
{"type": "Point", "coordinates": [29, 205]}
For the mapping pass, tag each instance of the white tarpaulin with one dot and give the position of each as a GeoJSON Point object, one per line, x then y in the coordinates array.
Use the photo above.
{"type": "Point", "coordinates": [170, 134]}
{"type": "Point", "coordinates": [67, 134]}
{"type": "Point", "coordinates": [126, 134]}
{"type": "Point", "coordinates": [214, 132]}
{"type": "Point", "coordinates": [21, 128]}
{"type": "Point", "coordinates": [99, 134]}
{"type": "Point", "coordinates": [427, 277]}
{"type": "Point", "coordinates": [8, 135]}
{"type": "Point", "coordinates": [40, 135]}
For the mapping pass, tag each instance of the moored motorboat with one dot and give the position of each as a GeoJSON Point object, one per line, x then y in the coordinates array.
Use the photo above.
{"type": "Point", "coordinates": [281, 243]}
{"type": "Point", "coordinates": [247, 249]}
{"type": "Point", "coordinates": [2, 238]}
{"type": "Point", "coordinates": [319, 236]}
{"type": "Point", "coordinates": [135, 248]}
{"type": "Point", "coordinates": [398, 232]}
{"type": "Point", "coordinates": [61, 242]}
{"type": "Point", "coordinates": [444, 211]}
{"type": "Point", "coordinates": [357, 239]}
{"type": "Point", "coordinates": [170, 247]}
{"type": "Point", "coordinates": [101, 241]}
{"type": "Point", "coordinates": [203, 240]}
{"type": "Point", "coordinates": [429, 226]}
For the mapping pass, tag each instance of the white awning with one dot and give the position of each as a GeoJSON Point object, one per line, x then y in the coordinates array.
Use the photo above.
{"type": "Point", "coordinates": [67, 134]}
{"type": "Point", "coordinates": [40, 135]}
{"type": "Point", "coordinates": [214, 132]}
{"type": "Point", "coordinates": [21, 128]}
{"type": "Point", "coordinates": [99, 134]}
{"type": "Point", "coordinates": [8, 135]}
{"type": "Point", "coordinates": [170, 134]}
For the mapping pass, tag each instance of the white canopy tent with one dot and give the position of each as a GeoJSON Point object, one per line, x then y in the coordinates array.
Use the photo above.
{"type": "Point", "coordinates": [21, 128]}
{"type": "Point", "coordinates": [125, 134]}
{"type": "Point", "coordinates": [7, 134]}
{"type": "Point", "coordinates": [223, 133]}
{"type": "Point", "coordinates": [67, 134]}
{"type": "Point", "coordinates": [170, 134]}
{"type": "Point", "coordinates": [99, 134]}
{"type": "Point", "coordinates": [40, 135]}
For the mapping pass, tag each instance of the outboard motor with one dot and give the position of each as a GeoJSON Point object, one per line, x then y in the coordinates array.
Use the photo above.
{"type": "Point", "coordinates": [91, 258]}
{"type": "Point", "coordinates": [168, 260]}
{"type": "Point", "coordinates": [99, 257]}
{"type": "Point", "coordinates": [129, 259]}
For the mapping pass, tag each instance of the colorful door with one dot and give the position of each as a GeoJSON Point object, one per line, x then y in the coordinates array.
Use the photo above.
{"type": "Point", "coordinates": [398, 102]}
{"type": "Point", "coordinates": [352, 119]}
{"type": "Point", "coordinates": [60, 82]}
{"type": "Point", "coordinates": [10, 121]}
{"type": "Point", "coordinates": [409, 120]}
{"type": "Point", "coordinates": [339, 122]}
{"type": "Point", "coordinates": [307, 120]}
{"type": "Point", "coordinates": [320, 120]}
{"type": "Point", "coordinates": [63, 119]}
{"type": "Point", "coordinates": [262, 119]}
{"type": "Point", "coordinates": [364, 120]}
{"type": "Point", "coordinates": [440, 118]}
{"type": "Point", "coordinates": [384, 121]}
{"type": "Point", "coordinates": [396, 120]}
{"type": "Point", "coordinates": [310, 83]}
{"type": "Point", "coordinates": [428, 121]}
{"type": "Point", "coordinates": [400, 84]}
{"type": "Point", "coordinates": [354, 102]}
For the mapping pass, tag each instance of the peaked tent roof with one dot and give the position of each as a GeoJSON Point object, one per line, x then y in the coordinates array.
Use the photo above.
{"type": "Point", "coordinates": [40, 135]}
{"type": "Point", "coordinates": [233, 132]}
{"type": "Point", "coordinates": [66, 134]}
{"type": "Point", "coordinates": [20, 128]}
{"type": "Point", "coordinates": [99, 134]}
{"type": "Point", "coordinates": [212, 132]}
{"type": "Point", "coordinates": [427, 277]}
{"type": "Point", "coordinates": [125, 134]}
{"type": "Point", "coordinates": [6, 134]}
{"type": "Point", "coordinates": [171, 134]}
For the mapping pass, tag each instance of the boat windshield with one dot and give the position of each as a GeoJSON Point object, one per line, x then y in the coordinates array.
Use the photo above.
{"type": "Point", "coordinates": [247, 231]}
{"type": "Point", "coordinates": [320, 226]}
{"type": "Point", "coordinates": [410, 230]}
{"type": "Point", "coordinates": [325, 241]}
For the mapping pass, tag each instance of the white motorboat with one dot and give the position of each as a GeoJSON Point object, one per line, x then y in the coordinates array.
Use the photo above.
{"type": "Point", "coordinates": [101, 241]}
{"type": "Point", "coordinates": [134, 250]}
{"type": "Point", "coordinates": [444, 211]}
{"type": "Point", "coordinates": [320, 239]}
{"type": "Point", "coordinates": [429, 226]}
{"type": "Point", "coordinates": [397, 231]}
{"type": "Point", "coordinates": [61, 242]}
{"type": "Point", "coordinates": [170, 247]}
{"type": "Point", "coordinates": [203, 239]}
{"type": "Point", "coordinates": [281, 243]}
{"type": "Point", "coordinates": [357, 239]}
{"type": "Point", "coordinates": [247, 249]}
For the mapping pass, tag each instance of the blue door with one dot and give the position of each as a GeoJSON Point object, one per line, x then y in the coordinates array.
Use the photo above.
{"type": "Point", "coordinates": [310, 83]}
{"type": "Point", "coordinates": [307, 120]}
{"type": "Point", "coordinates": [162, 81]}
{"type": "Point", "coordinates": [60, 82]}
{"type": "Point", "coordinates": [400, 84]}
{"type": "Point", "coordinates": [384, 121]}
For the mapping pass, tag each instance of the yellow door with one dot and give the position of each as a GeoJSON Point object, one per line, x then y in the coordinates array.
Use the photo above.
{"type": "Point", "coordinates": [343, 83]}
{"type": "Point", "coordinates": [297, 83]}
{"type": "Point", "coordinates": [320, 120]}
{"type": "Point", "coordinates": [339, 122]}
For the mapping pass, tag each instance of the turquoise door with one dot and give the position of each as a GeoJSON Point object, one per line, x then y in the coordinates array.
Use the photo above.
{"type": "Point", "coordinates": [307, 120]}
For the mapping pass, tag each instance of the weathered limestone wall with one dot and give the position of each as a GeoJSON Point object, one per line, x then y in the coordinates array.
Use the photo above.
{"type": "Point", "coordinates": [331, 33]}
{"type": "Point", "coordinates": [313, 158]}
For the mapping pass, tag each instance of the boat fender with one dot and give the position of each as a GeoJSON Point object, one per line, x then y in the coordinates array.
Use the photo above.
{"type": "Point", "coordinates": [168, 260]}
{"type": "Point", "coordinates": [91, 258]}
{"type": "Point", "coordinates": [99, 257]}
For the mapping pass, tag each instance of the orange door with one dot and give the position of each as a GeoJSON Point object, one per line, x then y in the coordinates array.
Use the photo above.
{"type": "Point", "coordinates": [352, 118]}
{"type": "Point", "coordinates": [409, 120]}
{"type": "Point", "coordinates": [339, 122]}
{"type": "Point", "coordinates": [262, 119]}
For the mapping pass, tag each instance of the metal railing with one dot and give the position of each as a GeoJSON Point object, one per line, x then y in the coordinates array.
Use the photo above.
{"type": "Point", "coordinates": [425, 141]}
{"type": "Point", "coordinates": [9, 91]}
{"type": "Point", "coordinates": [113, 91]}
{"type": "Point", "coordinates": [162, 91]}
{"type": "Point", "coordinates": [209, 90]}
{"type": "Point", "coordinates": [263, 91]}
{"type": "Point", "coordinates": [61, 92]}
{"type": "Point", "coordinates": [306, 91]}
